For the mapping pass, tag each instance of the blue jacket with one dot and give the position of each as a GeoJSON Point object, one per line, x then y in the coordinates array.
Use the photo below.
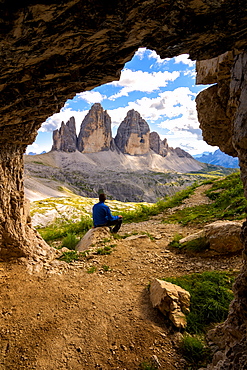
{"type": "Point", "coordinates": [102, 214]}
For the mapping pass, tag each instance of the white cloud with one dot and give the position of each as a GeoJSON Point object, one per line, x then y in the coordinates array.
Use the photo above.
{"type": "Point", "coordinates": [177, 109]}
{"type": "Point", "coordinates": [54, 122]}
{"type": "Point", "coordinates": [140, 53]}
{"type": "Point", "coordinates": [91, 97]}
{"type": "Point", "coordinates": [184, 58]}
{"type": "Point", "coordinates": [142, 81]}
{"type": "Point", "coordinates": [153, 55]}
{"type": "Point", "coordinates": [188, 142]}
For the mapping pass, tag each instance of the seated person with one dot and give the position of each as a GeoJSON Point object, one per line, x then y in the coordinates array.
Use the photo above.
{"type": "Point", "coordinates": [102, 215]}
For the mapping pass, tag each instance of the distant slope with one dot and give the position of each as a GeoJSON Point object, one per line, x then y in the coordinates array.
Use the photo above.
{"type": "Point", "coordinates": [123, 177]}
{"type": "Point", "coordinates": [218, 158]}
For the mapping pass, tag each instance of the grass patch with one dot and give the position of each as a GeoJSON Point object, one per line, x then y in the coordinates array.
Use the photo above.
{"type": "Point", "coordinates": [147, 366]}
{"type": "Point", "coordinates": [69, 256]}
{"type": "Point", "coordinates": [55, 232]}
{"type": "Point", "coordinates": [107, 249]}
{"type": "Point", "coordinates": [175, 242]}
{"type": "Point", "coordinates": [106, 268]}
{"type": "Point", "coordinates": [228, 203]}
{"type": "Point", "coordinates": [211, 294]}
{"type": "Point", "coordinates": [196, 245]}
{"type": "Point", "coordinates": [144, 212]}
{"type": "Point", "coordinates": [70, 241]}
{"type": "Point", "coordinates": [195, 351]}
{"type": "Point", "coordinates": [91, 270]}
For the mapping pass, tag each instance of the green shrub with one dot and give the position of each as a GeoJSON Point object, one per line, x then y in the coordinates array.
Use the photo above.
{"type": "Point", "coordinates": [104, 250]}
{"type": "Point", "coordinates": [147, 366]}
{"type": "Point", "coordinates": [69, 256]}
{"type": "Point", "coordinates": [70, 241]}
{"type": "Point", "coordinates": [196, 245]}
{"type": "Point", "coordinates": [211, 295]}
{"type": "Point", "coordinates": [175, 242]}
{"type": "Point", "coordinates": [194, 351]}
{"type": "Point", "coordinates": [91, 270]}
{"type": "Point", "coordinates": [106, 268]}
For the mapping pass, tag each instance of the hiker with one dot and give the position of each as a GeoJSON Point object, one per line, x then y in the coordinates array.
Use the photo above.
{"type": "Point", "coordinates": [102, 215]}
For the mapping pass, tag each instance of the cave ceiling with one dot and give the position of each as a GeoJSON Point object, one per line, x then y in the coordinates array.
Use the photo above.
{"type": "Point", "coordinates": [50, 51]}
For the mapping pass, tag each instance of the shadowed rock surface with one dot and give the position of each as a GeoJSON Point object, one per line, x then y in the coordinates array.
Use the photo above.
{"type": "Point", "coordinates": [65, 138]}
{"type": "Point", "coordinates": [157, 145]}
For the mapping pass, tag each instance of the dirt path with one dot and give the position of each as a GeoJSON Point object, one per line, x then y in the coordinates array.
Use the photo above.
{"type": "Point", "coordinates": [65, 318]}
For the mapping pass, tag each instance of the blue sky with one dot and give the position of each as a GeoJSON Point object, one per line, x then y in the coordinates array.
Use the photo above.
{"type": "Point", "coordinates": [163, 91]}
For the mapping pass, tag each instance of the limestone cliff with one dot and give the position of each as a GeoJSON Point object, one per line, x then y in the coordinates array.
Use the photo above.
{"type": "Point", "coordinates": [95, 133]}
{"type": "Point", "coordinates": [157, 145]}
{"type": "Point", "coordinates": [65, 138]}
{"type": "Point", "coordinates": [133, 134]}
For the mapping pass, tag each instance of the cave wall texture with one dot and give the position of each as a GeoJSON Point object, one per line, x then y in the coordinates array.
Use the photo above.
{"type": "Point", "coordinates": [52, 50]}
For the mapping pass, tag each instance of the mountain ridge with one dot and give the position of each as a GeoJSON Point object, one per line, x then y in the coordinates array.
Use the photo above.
{"type": "Point", "coordinates": [218, 158]}
{"type": "Point", "coordinates": [133, 135]}
{"type": "Point", "coordinates": [124, 177]}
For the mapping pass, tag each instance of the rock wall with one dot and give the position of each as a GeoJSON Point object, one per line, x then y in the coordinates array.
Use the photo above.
{"type": "Point", "coordinates": [133, 134]}
{"type": "Point", "coordinates": [95, 133]}
{"type": "Point", "coordinates": [222, 112]}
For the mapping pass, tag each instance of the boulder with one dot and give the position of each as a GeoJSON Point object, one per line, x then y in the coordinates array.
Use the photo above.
{"type": "Point", "coordinates": [172, 300]}
{"type": "Point", "coordinates": [224, 236]}
{"type": "Point", "coordinates": [221, 236]}
{"type": "Point", "coordinates": [92, 237]}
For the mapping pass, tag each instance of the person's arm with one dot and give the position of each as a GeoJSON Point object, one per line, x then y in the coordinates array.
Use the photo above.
{"type": "Point", "coordinates": [110, 217]}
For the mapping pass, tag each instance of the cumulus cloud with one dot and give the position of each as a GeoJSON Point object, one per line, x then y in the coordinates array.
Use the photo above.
{"type": "Point", "coordinates": [140, 53]}
{"type": "Point", "coordinates": [91, 97]}
{"type": "Point", "coordinates": [153, 55]}
{"type": "Point", "coordinates": [54, 122]}
{"type": "Point", "coordinates": [184, 58]}
{"type": "Point", "coordinates": [142, 81]}
{"type": "Point", "coordinates": [175, 109]}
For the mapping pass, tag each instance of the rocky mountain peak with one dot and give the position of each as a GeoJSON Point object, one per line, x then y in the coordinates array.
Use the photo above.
{"type": "Point", "coordinates": [95, 133]}
{"type": "Point", "coordinates": [157, 145]}
{"type": "Point", "coordinates": [133, 134]}
{"type": "Point", "coordinates": [65, 138]}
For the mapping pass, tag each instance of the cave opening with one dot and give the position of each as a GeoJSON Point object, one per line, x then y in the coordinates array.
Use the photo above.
{"type": "Point", "coordinates": [163, 91]}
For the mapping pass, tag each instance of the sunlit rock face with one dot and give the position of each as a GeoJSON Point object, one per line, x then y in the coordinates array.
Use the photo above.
{"type": "Point", "coordinates": [133, 135]}
{"type": "Point", "coordinates": [215, 110]}
{"type": "Point", "coordinates": [95, 133]}
{"type": "Point", "coordinates": [65, 138]}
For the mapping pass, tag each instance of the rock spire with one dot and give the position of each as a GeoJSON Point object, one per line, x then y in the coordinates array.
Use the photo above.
{"type": "Point", "coordinates": [133, 134]}
{"type": "Point", "coordinates": [65, 138]}
{"type": "Point", "coordinates": [95, 133]}
{"type": "Point", "coordinates": [157, 145]}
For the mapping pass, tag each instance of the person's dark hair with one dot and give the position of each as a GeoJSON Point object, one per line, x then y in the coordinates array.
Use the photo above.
{"type": "Point", "coordinates": [102, 197]}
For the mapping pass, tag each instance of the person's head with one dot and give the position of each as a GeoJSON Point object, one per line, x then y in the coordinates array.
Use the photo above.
{"type": "Point", "coordinates": [102, 197]}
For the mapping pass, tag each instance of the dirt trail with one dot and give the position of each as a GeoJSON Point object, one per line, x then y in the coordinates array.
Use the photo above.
{"type": "Point", "coordinates": [65, 318]}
